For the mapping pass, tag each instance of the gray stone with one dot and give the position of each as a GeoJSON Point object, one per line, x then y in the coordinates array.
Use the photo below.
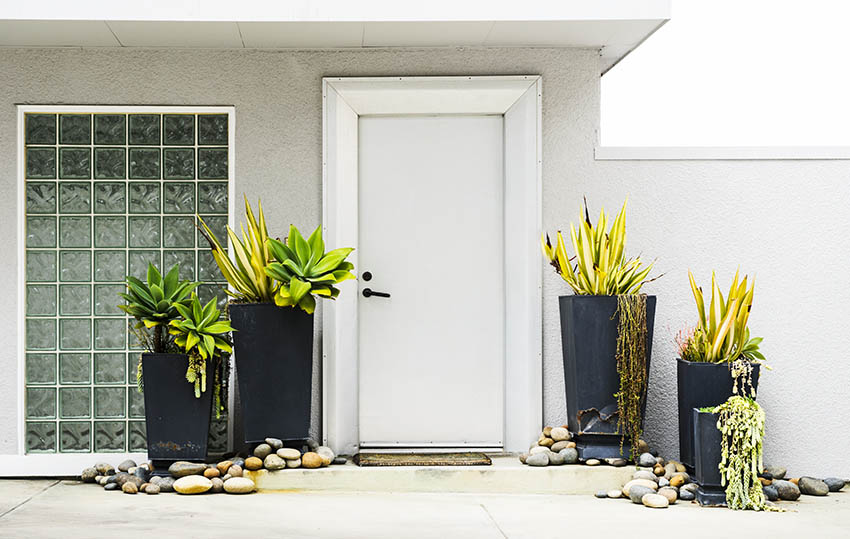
{"type": "Point", "coordinates": [662, 482]}
{"type": "Point", "coordinates": [182, 468]}
{"type": "Point", "coordinates": [326, 453]}
{"type": "Point", "coordinates": [557, 446]}
{"type": "Point", "coordinates": [651, 485]}
{"type": "Point", "coordinates": [560, 434]}
{"type": "Point", "coordinates": [812, 486]}
{"type": "Point", "coordinates": [771, 493]}
{"type": "Point", "coordinates": [238, 461]}
{"type": "Point", "coordinates": [556, 459]}
{"type": "Point", "coordinates": [669, 470]}
{"type": "Point", "coordinates": [312, 444]}
{"type": "Point", "coordinates": [686, 495]}
{"type": "Point", "coordinates": [273, 462]}
{"type": "Point", "coordinates": [617, 463]}
{"type": "Point", "coordinates": [217, 485]}
{"type": "Point", "coordinates": [288, 453]}
{"type": "Point", "coordinates": [538, 449]}
{"type": "Point", "coordinates": [538, 459]}
{"type": "Point", "coordinates": [339, 460]}
{"type": "Point", "coordinates": [141, 473]}
{"type": "Point", "coordinates": [776, 472]}
{"type": "Point", "coordinates": [126, 465]}
{"type": "Point", "coordinates": [615, 494]}
{"type": "Point", "coordinates": [637, 492]}
{"type": "Point", "coordinates": [690, 486]}
{"type": "Point", "coordinates": [646, 459]}
{"type": "Point", "coordinates": [656, 501]}
{"type": "Point", "coordinates": [166, 484]}
{"type": "Point", "coordinates": [274, 443]}
{"type": "Point", "coordinates": [152, 489]}
{"type": "Point", "coordinates": [640, 474]}
{"type": "Point", "coordinates": [262, 451]}
{"type": "Point", "coordinates": [835, 484]}
{"type": "Point", "coordinates": [104, 468]}
{"type": "Point", "coordinates": [239, 485]}
{"type": "Point", "coordinates": [786, 489]}
{"type": "Point", "coordinates": [103, 480]}
{"type": "Point", "coordinates": [570, 455]}
{"type": "Point", "coordinates": [293, 463]}
{"type": "Point", "coordinates": [111, 486]}
{"type": "Point", "coordinates": [88, 475]}
{"type": "Point", "coordinates": [601, 494]}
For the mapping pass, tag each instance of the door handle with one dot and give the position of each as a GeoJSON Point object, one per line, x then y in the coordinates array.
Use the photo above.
{"type": "Point", "coordinates": [368, 292]}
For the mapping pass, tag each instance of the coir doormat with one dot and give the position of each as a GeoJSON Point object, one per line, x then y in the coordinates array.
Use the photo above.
{"type": "Point", "coordinates": [422, 459]}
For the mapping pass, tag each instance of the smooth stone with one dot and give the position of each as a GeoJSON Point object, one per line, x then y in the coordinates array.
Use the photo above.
{"type": "Point", "coordinates": [835, 484]}
{"type": "Point", "coordinates": [556, 459]}
{"type": "Point", "coordinates": [89, 475]}
{"type": "Point", "coordinates": [658, 470]}
{"type": "Point", "coordinates": [182, 468]}
{"type": "Point", "coordinates": [296, 463]}
{"type": "Point", "coordinates": [593, 462]}
{"type": "Point", "coordinates": [637, 492]}
{"type": "Point", "coordinates": [690, 486]}
{"type": "Point", "coordinates": [669, 470]}
{"type": "Point", "coordinates": [786, 489]}
{"type": "Point", "coordinates": [144, 487]}
{"type": "Point", "coordinates": [225, 477]}
{"type": "Point", "coordinates": [311, 460]}
{"type": "Point", "coordinates": [262, 451]}
{"type": "Point", "coordinates": [560, 434]}
{"type": "Point", "coordinates": [234, 471]}
{"type": "Point", "coordinates": [192, 484]}
{"type": "Point", "coordinates": [640, 474]}
{"type": "Point", "coordinates": [663, 482]}
{"type": "Point", "coordinates": [127, 478]}
{"type": "Point", "coordinates": [111, 486]}
{"type": "Point", "coordinates": [103, 479]}
{"type": "Point", "coordinates": [223, 466]}
{"type": "Point", "coordinates": [614, 494]}
{"type": "Point", "coordinates": [812, 487]}
{"type": "Point", "coordinates": [646, 483]}
{"type": "Point", "coordinates": [273, 462]}
{"type": "Point", "coordinates": [129, 488]}
{"type": "Point", "coordinates": [601, 494]}
{"type": "Point", "coordinates": [660, 461]}
{"type": "Point", "coordinates": [766, 475]}
{"type": "Point", "coordinates": [538, 459]}
{"type": "Point", "coordinates": [678, 480]}
{"type": "Point", "coordinates": [312, 444]}
{"type": "Point", "coordinates": [656, 501]}
{"type": "Point", "coordinates": [141, 473]}
{"type": "Point", "coordinates": [557, 446]}
{"type": "Point", "coordinates": [326, 453]}
{"type": "Point", "coordinates": [777, 472]}
{"type": "Point", "coordinates": [238, 461]}
{"type": "Point", "coordinates": [646, 459]}
{"type": "Point", "coordinates": [670, 493]}
{"type": "Point", "coordinates": [617, 463]}
{"type": "Point", "coordinates": [570, 455]}
{"type": "Point", "coordinates": [339, 460]}
{"type": "Point", "coordinates": [275, 443]}
{"type": "Point", "coordinates": [547, 431]}
{"type": "Point", "coordinates": [217, 485]}
{"type": "Point", "coordinates": [523, 457]}
{"type": "Point", "coordinates": [126, 465]}
{"type": "Point", "coordinates": [104, 468]}
{"type": "Point", "coordinates": [152, 489]}
{"type": "Point", "coordinates": [642, 447]}
{"type": "Point", "coordinates": [239, 485]}
{"type": "Point", "coordinates": [546, 442]}
{"type": "Point", "coordinates": [166, 484]}
{"type": "Point", "coordinates": [771, 493]}
{"type": "Point", "coordinates": [288, 453]}
{"type": "Point", "coordinates": [538, 449]}
{"type": "Point", "coordinates": [679, 466]}
{"type": "Point", "coordinates": [209, 473]}
{"type": "Point", "coordinates": [252, 463]}
{"type": "Point", "coordinates": [686, 495]}
{"type": "Point", "coordinates": [765, 482]}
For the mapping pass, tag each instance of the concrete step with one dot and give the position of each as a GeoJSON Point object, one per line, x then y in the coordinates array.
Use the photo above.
{"type": "Point", "coordinates": [505, 476]}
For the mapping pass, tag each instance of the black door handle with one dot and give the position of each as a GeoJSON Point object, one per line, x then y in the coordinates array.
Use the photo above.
{"type": "Point", "coordinates": [368, 292]}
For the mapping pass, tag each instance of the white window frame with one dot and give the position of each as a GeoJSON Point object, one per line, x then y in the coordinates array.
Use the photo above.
{"type": "Point", "coordinates": [518, 98]}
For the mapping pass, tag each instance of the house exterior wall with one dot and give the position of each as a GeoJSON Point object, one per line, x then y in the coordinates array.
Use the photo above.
{"type": "Point", "coordinates": [780, 220]}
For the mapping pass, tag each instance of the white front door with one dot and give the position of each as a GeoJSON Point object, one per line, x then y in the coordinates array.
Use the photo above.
{"type": "Point", "coordinates": [431, 234]}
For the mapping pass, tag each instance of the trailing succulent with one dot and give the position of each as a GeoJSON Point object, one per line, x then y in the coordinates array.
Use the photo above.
{"type": "Point", "coordinates": [631, 366]}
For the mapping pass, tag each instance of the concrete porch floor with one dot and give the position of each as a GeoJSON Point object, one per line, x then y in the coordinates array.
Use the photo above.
{"type": "Point", "coordinates": [68, 509]}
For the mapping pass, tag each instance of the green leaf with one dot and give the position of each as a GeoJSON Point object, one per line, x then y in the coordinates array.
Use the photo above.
{"type": "Point", "coordinates": [297, 289]}
{"type": "Point", "coordinates": [331, 260]}
{"type": "Point", "coordinates": [154, 277]}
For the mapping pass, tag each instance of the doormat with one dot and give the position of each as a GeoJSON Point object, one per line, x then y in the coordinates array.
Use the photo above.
{"type": "Point", "coordinates": [422, 459]}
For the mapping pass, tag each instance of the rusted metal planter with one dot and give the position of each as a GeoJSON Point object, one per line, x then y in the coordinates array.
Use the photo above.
{"type": "Point", "coordinates": [589, 342]}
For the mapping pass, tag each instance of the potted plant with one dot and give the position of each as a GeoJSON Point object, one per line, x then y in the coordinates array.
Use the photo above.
{"type": "Point", "coordinates": [274, 286]}
{"type": "Point", "coordinates": [707, 355]}
{"type": "Point", "coordinates": [606, 335]}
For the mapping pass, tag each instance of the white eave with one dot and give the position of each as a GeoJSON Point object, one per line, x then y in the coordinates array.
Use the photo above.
{"type": "Point", "coordinates": [614, 27]}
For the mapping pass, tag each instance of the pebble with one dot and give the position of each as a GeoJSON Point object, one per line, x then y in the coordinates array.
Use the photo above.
{"type": "Point", "coordinates": [129, 488]}
{"type": "Point", "coordinates": [637, 492]}
{"type": "Point", "coordinates": [615, 494]}
{"type": "Point", "coordinates": [144, 486]}
{"type": "Point", "coordinates": [655, 500]}
{"type": "Point", "coordinates": [546, 442]}
{"type": "Point", "coordinates": [141, 473]}
{"type": "Point", "coordinates": [556, 459]}
{"type": "Point", "coordinates": [226, 476]}
{"type": "Point", "coordinates": [786, 490]}
{"type": "Point", "coordinates": [646, 459]}
{"type": "Point", "coordinates": [523, 457]}
{"type": "Point", "coordinates": [812, 487]}
{"type": "Point", "coordinates": [593, 462]}
{"type": "Point", "coordinates": [663, 482]}
{"type": "Point", "coordinates": [313, 460]}
{"type": "Point", "coordinates": [547, 431]}
{"type": "Point", "coordinates": [765, 482]}
{"type": "Point", "coordinates": [110, 486]}
{"type": "Point", "coordinates": [326, 453]}
{"type": "Point", "coordinates": [640, 474]}
{"type": "Point", "coordinates": [312, 444]}
{"type": "Point", "coordinates": [262, 451]}
{"type": "Point", "coordinates": [288, 453]}
{"type": "Point", "coordinates": [339, 460]}
{"type": "Point", "coordinates": [686, 495]}
{"type": "Point", "coordinates": [192, 484]}
{"type": "Point", "coordinates": [273, 462]}
{"type": "Point", "coordinates": [223, 466]}
{"type": "Point", "coordinates": [538, 449]}
{"type": "Point", "coordinates": [535, 459]}
{"type": "Point", "coordinates": [217, 485]}
{"type": "Point", "coordinates": [88, 475]}
{"type": "Point", "coordinates": [182, 468]}
{"type": "Point", "coordinates": [293, 463]}
{"type": "Point", "coordinates": [560, 434]}
{"type": "Point", "coordinates": [617, 463]}
{"type": "Point", "coordinates": [209, 473]}
{"type": "Point", "coordinates": [152, 489]}
{"type": "Point", "coordinates": [252, 463]}
{"type": "Point", "coordinates": [835, 484]}
{"type": "Point", "coordinates": [776, 472]}
{"type": "Point", "coordinates": [659, 470]}
{"type": "Point", "coordinates": [601, 494]}
{"type": "Point", "coordinates": [678, 480]}
{"type": "Point", "coordinates": [679, 466]}
{"type": "Point", "coordinates": [104, 468]}
{"type": "Point", "coordinates": [642, 447]}
{"type": "Point", "coordinates": [660, 461]}
{"type": "Point", "coordinates": [274, 443]}
{"type": "Point", "coordinates": [238, 461]}
{"type": "Point", "coordinates": [771, 493]}
{"type": "Point", "coordinates": [234, 471]}
{"type": "Point", "coordinates": [126, 465]}
{"type": "Point", "coordinates": [102, 480]}
{"type": "Point", "coordinates": [166, 484]}
{"type": "Point", "coordinates": [690, 486]}
{"type": "Point", "coordinates": [669, 470]}
{"type": "Point", "coordinates": [557, 446]}
{"type": "Point", "coordinates": [239, 485]}
{"type": "Point", "coordinates": [570, 455]}
{"type": "Point", "coordinates": [646, 483]}
{"type": "Point", "coordinates": [669, 493]}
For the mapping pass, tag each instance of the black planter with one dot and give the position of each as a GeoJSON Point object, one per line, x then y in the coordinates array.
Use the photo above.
{"type": "Point", "coordinates": [274, 366]}
{"type": "Point", "coordinates": [177, 423]}
{"type": "Point", "coordinates": [589, 341]}
{"type": "Point", "coordinates": [701, 385]}
{"type": "Point", "coordinates": [707, 458]}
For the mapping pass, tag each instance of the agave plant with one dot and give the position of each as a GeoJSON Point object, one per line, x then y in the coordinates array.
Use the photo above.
{"type": "Point", "coordinates": [305, 271]}
{"type": "Point", "coordinates": [202, 336]}
{"type": "Point", "coordinates": [155, 304]}
{"type": "Point", "coordinates": [722, 333]}
{"type": "Point", "coordinates": [601, 267]}
{"type": "Point", "coordinates": [246, 272]}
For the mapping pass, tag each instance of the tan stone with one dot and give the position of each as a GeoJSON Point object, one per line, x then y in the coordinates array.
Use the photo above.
{"type": "Point", "coordinates": [129, 488]}
{"type": "Point", "coordinates": [192, 484]}
{"type": "Point", "coordinates": [639, 482]}
{"type": "Point", "coordinates": [252, 463]}
{"type": "Point", "coordinates": [311, 460]}
{"type": "Point", "coordinates": [655, 500]}
{"type": "Point", "coordinates": [234, 471]}
{"type": "Point", "coordinates": [239, 485]}
{"type": "Point", "coordinates": [547, 431]}
{"type": "Point", "coordinates": [560, 434]}
{"type": "Point", "coordinates": [546, 442]}
{"type": "Point", "coordinates": [669, 493]}
{"type": "Point", "coordinates": [288, 453]}
{"type": "Point", "coordinates": [223, 466]}
{"type": "Point", "coordinates": [209, 473]}
{"type": "Point", "coordinates": [658, 470]}
{"type": "Point", "coordinates": [677, 480]}
{"type": "Point", "coordinates": [765, 482]}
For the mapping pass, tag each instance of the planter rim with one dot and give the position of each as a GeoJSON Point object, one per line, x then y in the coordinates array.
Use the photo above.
{"type": "Point", "coordinates": [602, 295]}
{"type": "Point", "coordinates": [724, 363]}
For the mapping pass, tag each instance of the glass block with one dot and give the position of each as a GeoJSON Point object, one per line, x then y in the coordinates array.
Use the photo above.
{"type": "Point", "coordinates": [139, 261]}
{"type": "Point", "coordinates": [75, 368]}
{"type": "Point", "coordinates": [41, 334]}
{"type": "Point", "coordinates": [136, 440]}
{"type": "Point", "coordinates": [74, 197]}
{"type": "Point", "coordinates": [41, 163]}
{"type": "Point", "coordinates": [109, 197]}
{"type": "Point", "coordinates": [186, 259]}
{"type": "Point", "coordinates": [133, 360]}
{"type": "Point", "coordinates": [109, 265]}
{"type": "Point", "coordinates": [110, 164]}
{"type": "Point", "coordinates": [144, 164]}
{"type": "Point", "coordinates": [109, 436]}
{"type": "Point", "coordinates": [179, 129]}
{"type": "Point", "coordinates": [145, 129]}
{"type": "Point", "coordinates": [41, 197]}
{"type": "Point", "coordinates": [74, 163]}
{"type": "Point", "coordinates": [212, 129]}
{"type": "Point", "coordinates": [179, 198]}
{"type": "Point", "coordinates": [217, 439]}
{"type": "Point", "coordinates": [218, 225]}
{"type": "Point", "coordinates": [75, 266]}
{"type": "Point", "coordinates": [41, 231]}
{"type": "Point", "coordinates": [178, 231]}
{"type": "Point", "coordinates": [207, 268]}
{"type": "Point", "coordinates": [109, 333]}
{"type": "Point", "coordinates": [212, 163]}
{"type": "Point", "coordinates": [137, 401]}
{"type": "Point", "coordinates": [179, 164]}
{"type": "Point", "coordinates": [75, 129]}
{"type": "Point", "coordinates": [75, 333]}
{"type": "Point", "coordinates": [75, 299]}
{"type": "Point", "coordinates": [208, 291]}
{"type": "Point", "coordinates": [106, 299]}
{"type": "Point", "coordinates": [144, 198]}
{"type": "Point", "coordinates": [108, 402]}
{"type": "Point", "coordinates": [41, 403]}
{"type": "Point", "coordinates": [110, 129]}
{"type": "Point", "coordinates": [212, 197]}
{"type": "Point", "coordinates": [144, 232]}
{"type": "Point", "coordinates": [75, 437]}
{"type": "Point", "coordinates": [40, 128]}
{"type": "Point", "coordinates": [41, 300]}
{"type": "Point", "coordinates": [109, 231]}
{"type": "Point", "coordinates": [109, 368]}
{"type": "Point", "coordinates": [41, 266]}
{"type": "Point", "coordinates": [75, 402]}
{"type": "Point", "coordinates": [41, 437]}
{"type": "Point", "coordinates": [75, 232]}
{"type": "Point", "coordinates": [41, 368]}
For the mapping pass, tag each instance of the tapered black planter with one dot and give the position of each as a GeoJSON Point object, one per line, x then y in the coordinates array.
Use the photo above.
{"type": "Point", "coordinates": [701, 385]}
{"type": "Point", "coordinates": [177, 423]}
{"type": "Point", "coordinates": [707, 458]}
{"type": "Point", "coordinates": [274, 366]}
{"type": "Point", "coordinates": [589, 341]}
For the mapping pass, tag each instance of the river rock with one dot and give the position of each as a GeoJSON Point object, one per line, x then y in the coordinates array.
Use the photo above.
{"type": "Point", "coordinates": [658, 470]}
{"type": "Point", "coordinates": [217, 485]}
{"type": "Point", "coordinates": [326, 453]}
{"type": "Point", "coordinates": [776, 472]}
{"type": "Point", "coordinates": [182, 468]}
{"type": "Point", "coordinates": [615, 494]}
{"type": "Point", "coordinates": [601, 494]}
{"type": "Point", "coordinates": [274, 443]}
{"type": "Point", "coordinates": [560, 434]}
{"type": "Point", "coordinates": [678, 479]}
{"type": "Point", "coordinates": [662, 482]}
{"type": "Point", "coordinates": [646, 483]}
{"type": "Point", "coordinates": [535, 459]}
{"type": "Point", "coordinates": [339, 461]}
{"type": "Point", "coordinates": [617, 463]}
{"type": "Point", "coordinates": [209, 473]}
{"type": "Point", "coordinates": [166, 484]}
{"type": "Point", "coordinates": [239, 461]}
{"type": "Point", "coordinates": [103, 479]}
{"type": "Point", "coordinates": [835, 484]}
{"type": "Point", "coordinates": [523, 457]}
{"type": "Point", "coordinates": [192, 484]}
{"type": "Point", "coordinates": [111, 486]}
{"type": "Point", "coordinates": [557, 446]}
{"type": "Point", "coordinates": [239, 485]}
{"type": "Point", "coordinates": [593, 462]}
{"type": "Point", "coordinates": [770, 493]}
{"type": "Point", "coordinates": [129, 488]}
{"type": "Point", "coordinates": [312, 459]}
{"type": "Point", "coordinates": [556, 459]}
{"type": "Point", "coordinates": [670, 493]}
{"type": "Point", "coordinates": [223, 466]}
{"type": "Point", "coordinates": [637, 492]}
{"type": "Point", "coordinates": [312, 444]}
{"type": "Point", "coordinates": [646, 459]}
{"type": "Point", "coordinates": [88, 475]}
{"type": "Point", "coordinates": [252, 463]}
{"type": "Point", "coordinates": [786, 490]}
{"type": "Point", "coordinates": [141, 473]}
{"type": "Point", "coordinates": [641, 474]}
{"type": "Point", "coordinates": [273, 462]}
{"type": "Point", "coordinates": [538, 449]}
{"type": "Point", "coordinates": [104, 468]}
{"type": "Point", "coordinates": [144, 487]}
{"type": "Point", "coordinates": [288, 453]}
{"type": "Point", "coordinates": [225, 477]}
{"type": "Point", "coordinates": [126, 465]}
{"type": "Point", "coordinates": [642, 447]}
{"type": "Point", "coordinates": [152, 489]}
{"type": "Point", "coordinates": [812, 486]}
{"type": "Point", "coordinates": [262, 451]}
{"type": "Point", "coordinates": [296, 463]}
{"type": "Point", "coordinates": [234, 471]}
{"type": "Point", "coordinates": [546, 442]}
{"type": "Point", "coordinates": [687, 495]}
{"type": "Point", "coordinates": [570, 455]}
{"type": "Point", "coordinates": [655, 500]}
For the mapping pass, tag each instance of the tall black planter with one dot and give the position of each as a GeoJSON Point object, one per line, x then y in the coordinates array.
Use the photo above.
{"type": "Point", "coordinates": [177, 423]}
{"type": "Point", "coordinates": [274, 366]}
{"type": "Point", "coordinates": [701, 385]}
{"type": "Point", "coordinates": [589, 341]}
{"type": "Point", "coordinates": [707, 458]}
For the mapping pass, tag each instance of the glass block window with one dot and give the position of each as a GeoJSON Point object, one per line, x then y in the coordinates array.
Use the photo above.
{"type": "Point", "coordinates": [109, 189]}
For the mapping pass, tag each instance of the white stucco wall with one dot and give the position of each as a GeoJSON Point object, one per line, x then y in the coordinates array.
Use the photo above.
{"type": "Point", "coordinates": [784, 221]}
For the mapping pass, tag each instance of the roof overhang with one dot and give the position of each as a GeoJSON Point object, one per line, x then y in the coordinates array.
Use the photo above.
{"type": "Point", "coordinates": [615, 27]}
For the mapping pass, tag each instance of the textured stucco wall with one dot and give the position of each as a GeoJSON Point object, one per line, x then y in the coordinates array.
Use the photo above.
{"type": "Point", "coordinates": [784, 221]}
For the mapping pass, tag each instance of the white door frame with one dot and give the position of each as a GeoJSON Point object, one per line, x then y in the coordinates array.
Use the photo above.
{"type": "Point", "coordinates": [518, 98]}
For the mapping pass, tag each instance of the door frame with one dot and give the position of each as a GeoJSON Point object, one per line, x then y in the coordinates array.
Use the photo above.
{"type": "Point", "coordinates": [518, 98]}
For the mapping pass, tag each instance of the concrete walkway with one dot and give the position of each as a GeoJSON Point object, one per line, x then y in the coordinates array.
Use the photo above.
{"type": "Point", "coordinates": [67, 509]}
